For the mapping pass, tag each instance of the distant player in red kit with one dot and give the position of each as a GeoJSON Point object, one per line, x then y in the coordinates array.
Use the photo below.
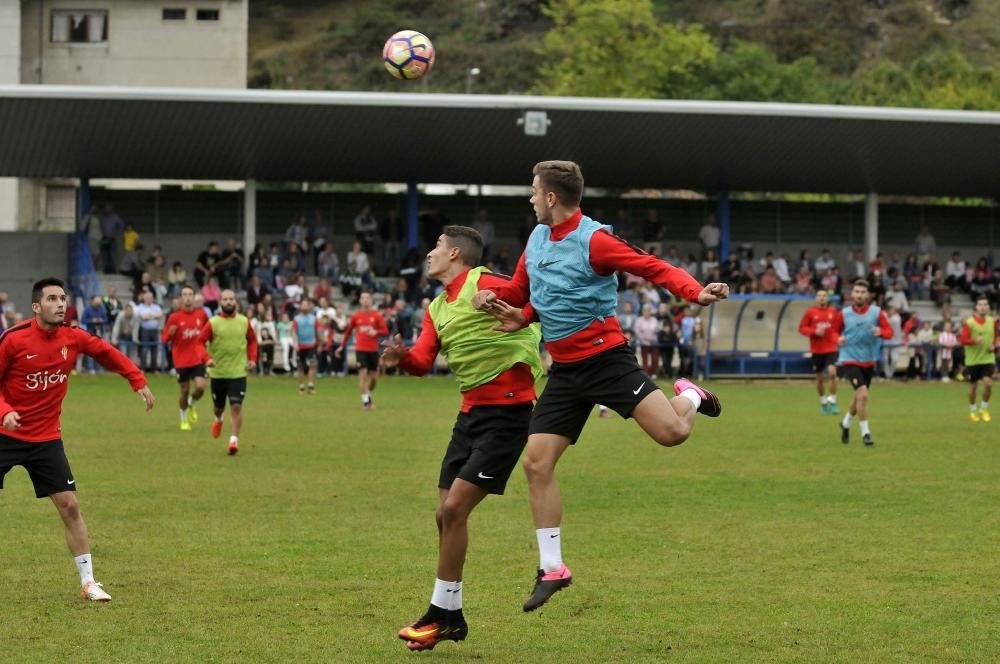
{"type": "Point", "coordinates": [181, 331]}
{"type": "Point", "coordinates": [36, 358]}
{"type": "Point", "coordinates": [823, 345]}
{"type": "Point", "coordinates": [370, 326]}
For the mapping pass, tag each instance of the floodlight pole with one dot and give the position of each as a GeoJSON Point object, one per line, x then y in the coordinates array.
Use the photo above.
{"type": "Point", "coordinates": [249, 216]}
{"type": "Point", "coordinates": [871, 225]}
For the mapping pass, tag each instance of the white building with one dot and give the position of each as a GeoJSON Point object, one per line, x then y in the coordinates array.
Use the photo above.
{"type": "Point", "coordinates": [162, 43]}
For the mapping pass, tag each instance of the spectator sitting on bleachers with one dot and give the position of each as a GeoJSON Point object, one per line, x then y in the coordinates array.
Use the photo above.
{"type": "Point", "coordinates": [256, 290]}
{"type": "Point", "coordinates": [825, 262]}
{"type": "Point", "coordinates": [954, 272]}
{"type": "Point", "coordinates": [176, 277]}
{"type": "Point", "coordinates": [913, 274]}
{"type": "Point", "coordinates": [803, 283]}
{"type": "Point", "coordinates": [924, 246]}
{"type": "Point", "coordinates": [502, 261]}
{"type": "Point", "coordinates": [295, 290]}
{"type": "Point", "coordinates": [212, 293]}
{"type": "Point", "coordinates": [132, 264]}
{"type": "Point", "coordinates": [112, 304]}
{"type": "Point", "coordinates": [358, 274]}
{"type": "Point", "coordinates": [858, 268]}
{"type": "Point", "coordinates": [627, 318]}
{"type": "Point", "coordinates": [296, 259]}
{"type": "Point", "coordinates": [709, 264]}
{"type": "Point", "coordinates": [780, 264]}
{"type": "Point", "coordinates": [263, 271]}
{"type": "Point", "coordinates": [831, 281]}
{"type": "Point", "coordinates": [417, 318]}
{"type": "Point", "coordinates": [322, 290]}
{"type": "Point", "coordinates": [296, 235]}
{"type": "Point", "coordinates": [769, 283]}
{"type": "Point", "coordinates": [365, 229]}
{"type": "Point", "coordinates": [939, 290]}
{"type": "Point", "coordinates": [328, 265]}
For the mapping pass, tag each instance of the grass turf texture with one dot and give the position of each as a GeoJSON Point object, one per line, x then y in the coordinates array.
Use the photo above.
{"type": "Point", "coordinates": [762, 538]}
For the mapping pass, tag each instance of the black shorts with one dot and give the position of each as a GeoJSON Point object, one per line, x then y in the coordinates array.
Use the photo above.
{"type": "Point", "coordinates": [232, 388]}
{"type": "Point", "coordinates": [612, 378]}
{"type": "Point", "coordinates": [858, 376]}
{"type": "Point", "coordinates": [46, 464]}
{"type": "Point", "coordinates": [367, 359]}
{"type": "Point", "coordinates": [977, 372]}
{"type": "Point", "coordinates": [185, 374]}
{"type": "Point", "coordinates": [820, 361]}
{"type": "Point", "coordinates": [307, 357]}
{"type": "Point", "coordinates": [485, 446]}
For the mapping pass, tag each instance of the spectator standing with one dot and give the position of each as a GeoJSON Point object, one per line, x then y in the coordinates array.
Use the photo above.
{"type": "Point", "coordinates": [91, 225]}
{"type": "Point", "coordinates": [892, 347]}
{"type": "Point", "coordinates": [296, 235]}
{"type": "Point", "coordinates": [150, 318]}
{"type": "Point", "coordinates": [391, 231]}
{"type": "Point", "coordinates": [318, 237]}
{"type": "Point", "coordinates": [285, 342]}
{"type": "Point", "coordinates": [487, 231]}
{"type": "Point", "coordinates": [365, 229]}
{"type": "Point", "coordinates": [95, 321]}
{"type": "Point", "coordinates": [112, 305]}
{"type": "Point", "coordinates": [130, 238]}
{"type": "Point", "coordinates": [646, 328]}
{"type": "Point", "coordinates": [267, 337]}
{"type": "Point", "coordinates": [667, 340]}
{"type": "Point", "coordinates": [946, 341]}
{"type": "Point", "coordinates": [231, 266]}
{"type": "Point", "coordinates": [296, 259]}
{"type": "Point", "coordinates": [858, 268]}
{"type": "Point", "coordinates": [652, 235]}
{"type": "Point", "coordinates": [205, 264]}
{"type": "Point", "coordinates": [709, 236]}
{"type": "Point", "coordinates": [112, 229]}
{"type": "Point", "coordinates": [125, 332]}
{"type": "Point", "coordinates": [132, 264]}
{"type": "Point", "coordinates": [924, 246]}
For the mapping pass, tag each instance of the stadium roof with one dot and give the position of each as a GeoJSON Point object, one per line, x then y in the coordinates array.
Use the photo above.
{"type": "Point", "coordinates": [68, 131]}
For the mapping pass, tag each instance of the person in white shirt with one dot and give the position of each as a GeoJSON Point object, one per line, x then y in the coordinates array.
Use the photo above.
{"type": "Point", "coordinates": [710, 237]}
{"type": "Point", "coordinates": [897, 297]}
{"type": "Point", "coordinates": [781, 269]}
{"type": "Point", "coordinates": [825, 262]}
{"type": "Point", "coordinates": [954, 272]}
{"type": "Point", "coordinates": [150, 319]}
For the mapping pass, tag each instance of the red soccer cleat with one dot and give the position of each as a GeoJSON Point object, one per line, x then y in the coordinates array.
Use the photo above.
{"type": "Point", "coordinates": [233, 447]}
{"type": "Point", "coordinates": [216, 428]}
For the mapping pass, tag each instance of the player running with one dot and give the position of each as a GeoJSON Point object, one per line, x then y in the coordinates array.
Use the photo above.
{"type": "Point", "coordinates": [36, 359]}
{"type": "Point", "coordinates": [860, 326]}
{"type": "Point", "coordinates": [370, 326]}
{"type": "Point", "coordinates": [304, 332]}
{"type": "Point", "coordinates": [980, 335]}
{"type": "Point", "coordinates": [233, 346]}
{"type": "Point", "coordinates": [823, 345]}
{"type": "Point", "coordinates": [566, 277]}
{"type": "Point", "coordinates": [181, 331]}
{"type": "Point", "coordinates": [496, 373]}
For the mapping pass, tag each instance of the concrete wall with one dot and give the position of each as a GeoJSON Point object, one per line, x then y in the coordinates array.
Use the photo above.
{"type": "Point", "coordinates": [142, 48]}
{"type": "Point", "coordinates": [10, 73]}
{"type": "Point", "coordinates": [27, 257]}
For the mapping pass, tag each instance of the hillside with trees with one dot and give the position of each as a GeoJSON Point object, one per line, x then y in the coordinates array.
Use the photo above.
{"type": "Point", "coordinates": [912, 53]}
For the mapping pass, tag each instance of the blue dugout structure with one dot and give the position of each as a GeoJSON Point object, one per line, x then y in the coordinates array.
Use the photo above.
{"type": "Point", "coordinates": [758, 335]}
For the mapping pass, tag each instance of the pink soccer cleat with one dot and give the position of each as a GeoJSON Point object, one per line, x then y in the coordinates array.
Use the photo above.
{"type": "Point", "coordinates": [710, 404]}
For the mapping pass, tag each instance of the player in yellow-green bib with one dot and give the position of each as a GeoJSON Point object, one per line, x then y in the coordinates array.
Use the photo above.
{"type": "Point", "coordinates": [980, 336]}
{"type": "Point", "coordinates": [496, 373]}
{"type": "Point", "coordinates": [232, 344]}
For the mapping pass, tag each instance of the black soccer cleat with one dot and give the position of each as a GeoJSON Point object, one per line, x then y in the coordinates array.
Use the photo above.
{"type": "Point", "coordinates": [869, 441]}
{"type": "Point", "coordinates": [845, 434]}
{"type": "Point", "coordinates": [548, 584]}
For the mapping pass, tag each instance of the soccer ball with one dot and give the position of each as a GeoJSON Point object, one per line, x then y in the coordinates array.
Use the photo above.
{"type": "Point", "coordinates": [408, 54]}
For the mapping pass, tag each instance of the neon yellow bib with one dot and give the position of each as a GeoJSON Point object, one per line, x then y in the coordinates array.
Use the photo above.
{"type": "Point", "coordinates": [981, 353]}
{"type": "Point", "coordinates": [228, 346]}
{"type": "Point", "coordinates": [476, 352]}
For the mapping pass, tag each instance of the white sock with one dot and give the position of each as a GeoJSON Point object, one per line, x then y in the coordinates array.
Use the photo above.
{"type": "Point", "coordinates": [846, 423]}
{"type": "Point", "coordinates": [832, 398]}
{"type": "Point", "coordinates": [190, 399]}
{"type": "Point", "coordinates": [984, 405]}
{"type": "Point", "coordinates": [301, 387]}
{"type": "Point", "coordinates": [865, 431]}
{"type": "Point", "coordinates": [85, 565]}
{"type": "Point", "coordinates": [972, 407]}
{"type": "Point", "coordinates": [219, 418]}
{"type": "Point", "coordinates": [234, 439]}
{"type": "Point", "coordinates": [691, 396]}
{"type": "Point", "coordinates": [184, 415]}
{"type": "Point", "coordinates": [549, 548]}
{"type": "Point", "coordinates": [822, 401]}
{"type": "Point", "coordinates": [447, 595]}
{"type": "Point", "coordinates": [365, 397]}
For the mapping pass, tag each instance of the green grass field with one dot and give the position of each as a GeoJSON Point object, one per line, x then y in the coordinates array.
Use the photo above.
{"type": "Point", "coordinates": [762, 538]}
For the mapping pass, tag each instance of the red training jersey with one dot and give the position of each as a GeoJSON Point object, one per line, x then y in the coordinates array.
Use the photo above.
{"type": "Point", "coordinates": [884, 327]}
{"type": "Point", "coordinates": [817, 324]}
{"type": "Point", "coordinates": [370, 326]}
{"type": "Point", "coordinates": [184, 345]}
{"type": "Point", "coordinates": [608, 254]}
{"type": "Point", "coordinates": [514, 386]}
{"type": "Point", "coordinates": [35, 365]}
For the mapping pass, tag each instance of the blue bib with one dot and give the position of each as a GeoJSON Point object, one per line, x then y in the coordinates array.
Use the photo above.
{"type": "Point", "coordinates": [565, 291]}
{"type": "Point", "coordinates": [860, 345]}
{"type": "Point", "coordinates": [305, 327]}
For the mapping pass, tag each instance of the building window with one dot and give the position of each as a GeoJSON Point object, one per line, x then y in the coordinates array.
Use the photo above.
{"type": "Point", "coordinates": [79, 27]}
{"type": "Point", "coordinates": [60, 202]}
{"type": "Point", "coordinates": [174, 14]}
{"type": "Point", "coordinates": [208, 14]}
